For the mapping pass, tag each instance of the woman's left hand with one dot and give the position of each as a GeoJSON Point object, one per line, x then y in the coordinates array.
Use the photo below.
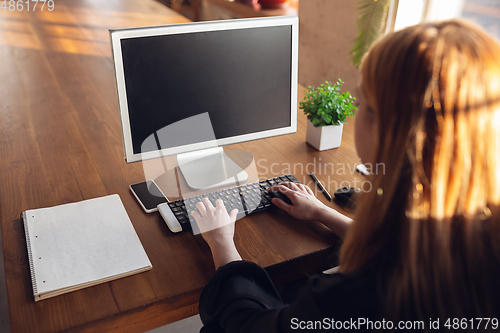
{"type": "Point", "coordinates": [217, 229]}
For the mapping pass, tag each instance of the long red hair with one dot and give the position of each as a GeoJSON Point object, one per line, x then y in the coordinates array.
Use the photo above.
{"type": "Point", "coordinates": [432, 223]}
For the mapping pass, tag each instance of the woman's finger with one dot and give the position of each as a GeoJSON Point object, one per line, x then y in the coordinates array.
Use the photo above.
{"type": "Point", "coordinates": [301, 187]}
{"type": "Point", "coordinates": [287, 184]}
{"type": "Point", "coordinates": [305, 188]}
{"type": "Point", "coordinates": [233, 214]}
{"type": "Point", "coordinates": [196, 216]}
{"type": "Point", "coordinates": [201, 208]}
{"type": "Point", "coordinates": [208, 205]}
{"type": "Point", "coordinates": [308, 190]}
{"type": "Point", "coordinates": [281, 204]}
{"type": "Point", "coordinates": [282, 187]}
{"type": "Point", "coordinates": [219, 204]}
{"type": "Point", "coordinates": [294, 187]}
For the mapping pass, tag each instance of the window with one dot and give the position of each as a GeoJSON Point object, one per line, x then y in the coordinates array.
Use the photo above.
{"type": "Point", "coordinates": [485, 13]}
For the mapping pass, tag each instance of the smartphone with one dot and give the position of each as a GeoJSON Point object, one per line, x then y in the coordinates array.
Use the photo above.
{"type": "Point", "coordinates": [149, 195]}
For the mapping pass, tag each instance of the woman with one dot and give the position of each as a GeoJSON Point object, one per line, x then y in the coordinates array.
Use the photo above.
{"type": "Point", "coordinates": [424, 248]}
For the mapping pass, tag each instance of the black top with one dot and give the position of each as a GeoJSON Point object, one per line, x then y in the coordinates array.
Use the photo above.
{"type": "Point", "coordinates": [242, 298]}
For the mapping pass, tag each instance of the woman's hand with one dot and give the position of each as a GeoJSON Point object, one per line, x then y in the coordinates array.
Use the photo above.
{"type": "Point", "coordinates": [217, 229]}
{"type": "Point", "coordinates": [215, 224]}
{"type": "Point", "coordinates": [305, 206]}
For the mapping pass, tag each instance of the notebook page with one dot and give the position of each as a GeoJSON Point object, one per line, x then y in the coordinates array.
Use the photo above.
{"type": "Point", "coordinates": [82, 242]}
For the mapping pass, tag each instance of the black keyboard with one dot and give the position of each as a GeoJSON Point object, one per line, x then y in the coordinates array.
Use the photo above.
{"type": "Point", "coordinates": [248, 199]}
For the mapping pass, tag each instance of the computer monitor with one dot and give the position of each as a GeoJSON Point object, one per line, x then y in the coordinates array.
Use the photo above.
{"type": "Point", "coordinates": [188, 89]}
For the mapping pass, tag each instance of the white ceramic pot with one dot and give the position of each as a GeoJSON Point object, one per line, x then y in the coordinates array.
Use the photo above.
{"type": "Point", "coordinates": [324, 137]}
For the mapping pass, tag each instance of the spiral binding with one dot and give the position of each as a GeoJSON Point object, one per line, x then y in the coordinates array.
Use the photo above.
{"type": "Point", "coordinates": [30, 256]}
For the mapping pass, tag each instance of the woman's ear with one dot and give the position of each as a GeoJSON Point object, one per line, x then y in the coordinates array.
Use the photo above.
{"type": "Point", "coordinates": [365, 126]}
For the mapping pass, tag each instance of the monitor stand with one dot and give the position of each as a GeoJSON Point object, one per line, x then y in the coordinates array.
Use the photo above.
{"type": "Point", "coordinates": [209, 168]}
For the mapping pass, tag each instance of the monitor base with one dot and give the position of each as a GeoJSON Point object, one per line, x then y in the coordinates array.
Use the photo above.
{"type": "Point", "coordinates": [209, 168]}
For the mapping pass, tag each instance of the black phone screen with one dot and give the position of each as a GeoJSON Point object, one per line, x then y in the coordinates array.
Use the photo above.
{"type": "Point", "coordinates": [149, 194]}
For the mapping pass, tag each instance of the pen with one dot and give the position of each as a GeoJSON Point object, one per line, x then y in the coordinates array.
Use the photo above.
{"type": "Point", "coordinates": [321, 187]}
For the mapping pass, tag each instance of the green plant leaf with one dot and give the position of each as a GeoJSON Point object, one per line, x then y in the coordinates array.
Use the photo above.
{"type": "Point", "coordinates": [326, 105]}
{"type": "Point", "coordinates": [372, 16]}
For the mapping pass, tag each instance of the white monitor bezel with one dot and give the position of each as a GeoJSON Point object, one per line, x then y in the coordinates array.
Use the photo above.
{"type": "Point", "coordinates": [117, 35]}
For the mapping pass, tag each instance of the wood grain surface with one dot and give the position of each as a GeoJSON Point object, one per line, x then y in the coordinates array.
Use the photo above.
{"type": "Point", "coordinates": [60, 142]}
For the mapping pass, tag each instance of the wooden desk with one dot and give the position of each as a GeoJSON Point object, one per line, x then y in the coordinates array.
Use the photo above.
{"type": "Point", "coordinates": [60, 142]}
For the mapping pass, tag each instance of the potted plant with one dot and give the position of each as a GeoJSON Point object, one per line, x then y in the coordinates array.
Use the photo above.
{"type": "Point", "coordinates": [327, 110]}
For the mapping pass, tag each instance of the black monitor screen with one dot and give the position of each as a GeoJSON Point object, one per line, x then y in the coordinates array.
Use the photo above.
{"type": "Point", "coordinates": [241, 77]}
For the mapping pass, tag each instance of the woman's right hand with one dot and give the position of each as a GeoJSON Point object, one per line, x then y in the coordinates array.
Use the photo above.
{"type": "Point", "coordinates": [307, 207]}
{"type": "Point", "coordinates": [305, 204]}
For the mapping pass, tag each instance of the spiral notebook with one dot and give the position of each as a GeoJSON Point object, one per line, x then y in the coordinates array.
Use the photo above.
{"type": "Point", "coordinates": [81, 244]}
